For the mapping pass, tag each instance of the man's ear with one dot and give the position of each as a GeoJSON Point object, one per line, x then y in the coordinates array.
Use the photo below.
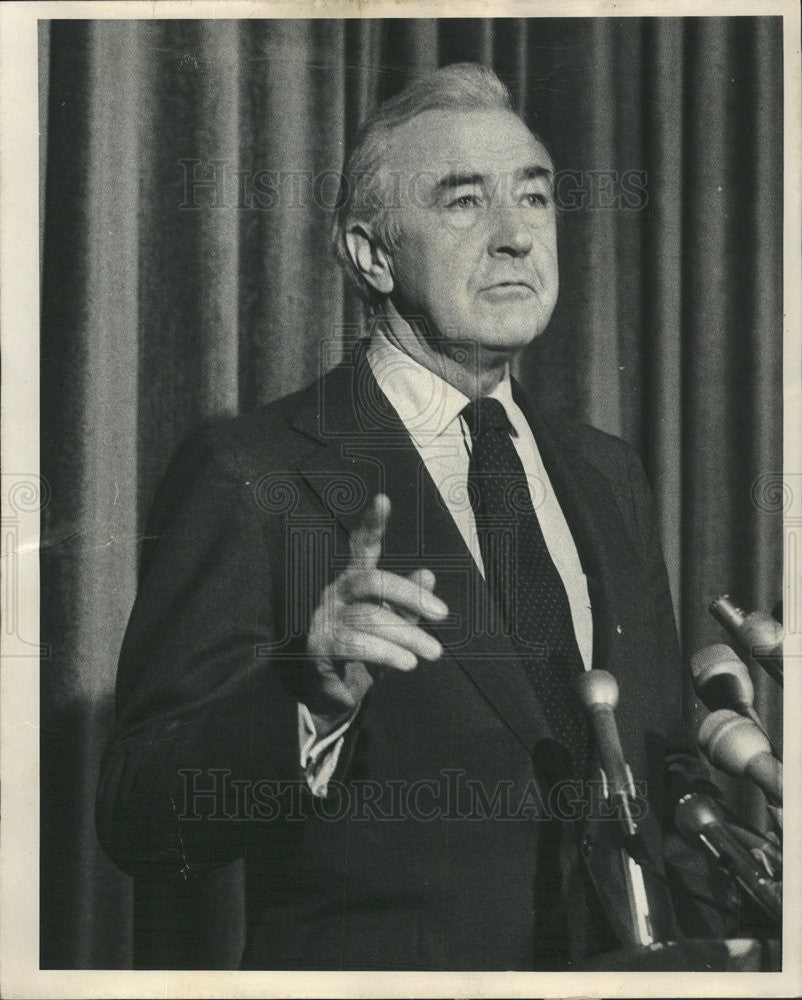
{"type": "Point", "coordinates": [370, 258]}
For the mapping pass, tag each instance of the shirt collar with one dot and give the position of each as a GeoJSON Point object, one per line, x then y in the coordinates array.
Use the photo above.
{"type": "Point", "coordinates": [427, 405]}
{"type": "Point", "coordinates": [502, 391]}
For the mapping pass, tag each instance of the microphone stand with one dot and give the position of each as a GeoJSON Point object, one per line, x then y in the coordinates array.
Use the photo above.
{"type": "Point", "coordinates": [598, 692]}
{"type": "Point", "coordinates": [632, 853]}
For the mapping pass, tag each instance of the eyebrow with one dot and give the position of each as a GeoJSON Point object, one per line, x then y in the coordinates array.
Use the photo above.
{"type": "Point", "coordinates": [459, 179]}
{"type": "Point", "coordinates": [535, 172]}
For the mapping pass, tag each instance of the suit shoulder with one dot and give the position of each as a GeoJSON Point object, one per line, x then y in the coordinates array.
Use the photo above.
{"type": "Point", "coordinates": [620, 464]}
{"type": "Point", "coordinates": [598, 447]}
{"type": "Point", "coordinates": [615, 459]}
{"type": "Point", "coordinates": [252, 441]}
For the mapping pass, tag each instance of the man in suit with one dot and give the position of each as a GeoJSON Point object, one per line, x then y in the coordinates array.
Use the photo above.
{"type": "Point", "coordinates": [361, 610]}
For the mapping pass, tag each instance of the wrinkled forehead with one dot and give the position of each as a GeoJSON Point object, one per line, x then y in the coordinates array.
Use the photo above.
{"type": "Point", "coordinates": [483, 143]}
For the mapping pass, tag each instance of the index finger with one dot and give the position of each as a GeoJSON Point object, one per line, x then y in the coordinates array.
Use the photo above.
{"type": "Point", "coordinates": [365, 541]}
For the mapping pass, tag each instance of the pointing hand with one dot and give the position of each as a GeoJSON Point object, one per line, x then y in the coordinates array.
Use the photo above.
{"type": "Point", "coordinates": [367, 620]}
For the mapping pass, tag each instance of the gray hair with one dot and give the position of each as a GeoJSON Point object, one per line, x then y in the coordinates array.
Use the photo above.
{"type": "Point", "coordinates": [363, 191]}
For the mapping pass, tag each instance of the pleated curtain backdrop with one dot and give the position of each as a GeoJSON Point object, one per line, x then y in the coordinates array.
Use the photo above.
{"type": "Point", "coordinates": [186, 273]}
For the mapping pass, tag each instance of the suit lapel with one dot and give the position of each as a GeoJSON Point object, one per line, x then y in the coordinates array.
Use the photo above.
{"type": "Point", "coordinates": [365, 449]}
{"type": "Point", "coordinates": [602, 540]}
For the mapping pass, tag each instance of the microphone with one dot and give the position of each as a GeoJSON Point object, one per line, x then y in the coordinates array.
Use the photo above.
{"type": "Point", "coordinates": [767, 852]}
{"type": "Point", "coordinates": [737, 746]}
{"type": "Point", "coordinates": [759, 634]}
{"type": "Point", "coordinates": [699, 818]}
{"type": "Point", "coordinates": [684, 777]}
{"type": "Point", "coordinates": [598, 692]}
{"type": "Point", "coordinates": [722, 680]}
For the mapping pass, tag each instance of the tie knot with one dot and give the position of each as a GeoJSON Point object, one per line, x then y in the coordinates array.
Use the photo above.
{"type": "Point", "coordinates": [484, 414]}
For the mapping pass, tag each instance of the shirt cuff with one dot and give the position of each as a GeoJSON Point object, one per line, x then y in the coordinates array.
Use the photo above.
{"type": "Point", "coordinates": [319, 756]}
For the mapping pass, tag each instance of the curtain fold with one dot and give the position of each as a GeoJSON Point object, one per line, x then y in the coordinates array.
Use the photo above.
{"type": "Point", "coordinates": [661, 288]}
{"type": "Point", "coordinates": [190, 172]}
{"type": "Point", "coordinates": [601, 286]}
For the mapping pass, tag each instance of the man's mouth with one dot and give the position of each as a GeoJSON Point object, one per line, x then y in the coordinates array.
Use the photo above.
{"type": "Point", "coordinates": [509, 289]}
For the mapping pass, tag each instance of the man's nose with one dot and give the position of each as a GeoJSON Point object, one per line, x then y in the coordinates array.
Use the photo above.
{"type": "Point", "coordinates": [510, 235]}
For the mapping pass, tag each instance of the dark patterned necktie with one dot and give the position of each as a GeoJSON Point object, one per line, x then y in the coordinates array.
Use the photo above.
{"type": "Point", "coordinates": [528, 593]}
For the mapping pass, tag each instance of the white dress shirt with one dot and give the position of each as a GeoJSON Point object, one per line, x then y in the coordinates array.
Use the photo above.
{"type": "Point", "coordinates": [430, 409]}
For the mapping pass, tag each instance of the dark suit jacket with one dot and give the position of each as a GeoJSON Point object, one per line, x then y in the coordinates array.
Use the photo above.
{"type": "Point", "coordinates": [425, 854]}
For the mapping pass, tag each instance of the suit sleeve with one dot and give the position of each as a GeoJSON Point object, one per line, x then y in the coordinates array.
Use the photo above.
{"type": "Point", "coordinates": [204, 725]}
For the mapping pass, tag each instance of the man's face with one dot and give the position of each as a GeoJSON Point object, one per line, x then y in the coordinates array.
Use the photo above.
{"type": "Point", "coordinates": [477, 255]}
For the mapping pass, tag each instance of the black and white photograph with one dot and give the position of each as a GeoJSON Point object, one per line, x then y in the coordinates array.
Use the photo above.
{"type": "Point", "coordinates": [413, 504]}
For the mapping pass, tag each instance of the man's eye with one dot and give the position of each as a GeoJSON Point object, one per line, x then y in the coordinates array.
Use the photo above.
{"type": "Point", "coordinates": [536, 199]}
{"type": "Point", "coordinates": [465, 201]}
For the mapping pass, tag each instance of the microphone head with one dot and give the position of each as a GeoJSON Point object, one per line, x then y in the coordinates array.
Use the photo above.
{"type": "Point", "coordinates": [597, 689]}
{"type": "Point", "coordinates": [694, 812]}
{"type": "Point", "coordinates": [730, 741]}
{"type": "Point", "coordinates": [722, 661]}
